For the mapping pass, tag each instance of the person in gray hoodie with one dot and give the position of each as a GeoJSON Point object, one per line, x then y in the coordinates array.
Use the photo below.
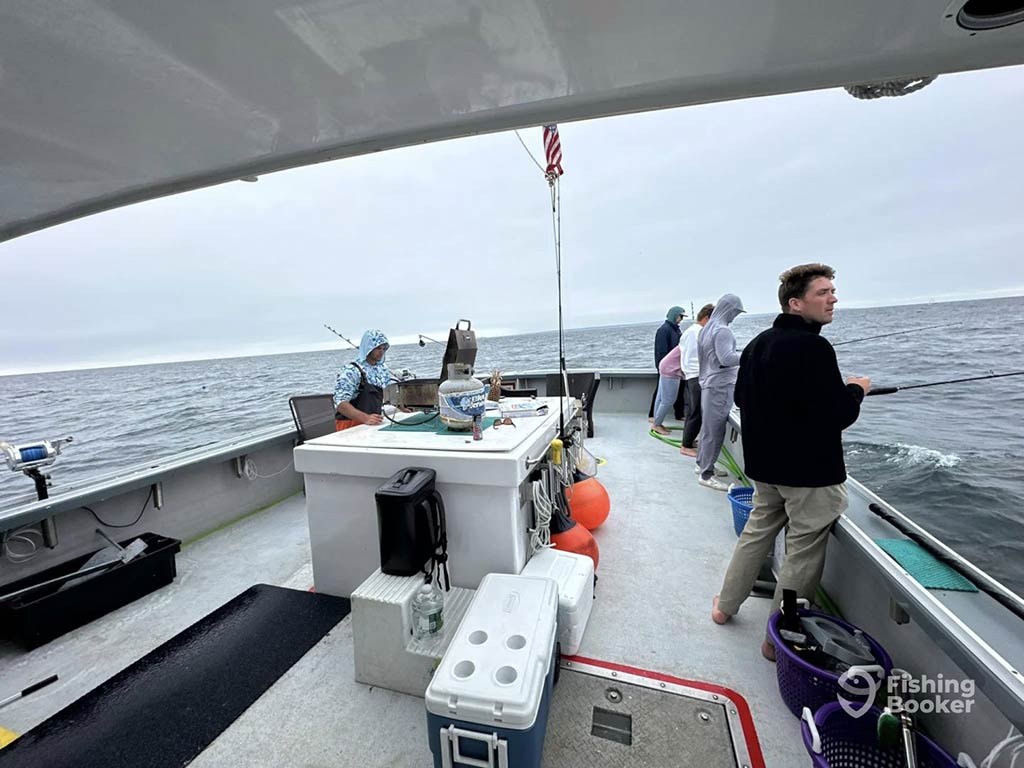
{"type": "Point", "coordinates": [719, 364]}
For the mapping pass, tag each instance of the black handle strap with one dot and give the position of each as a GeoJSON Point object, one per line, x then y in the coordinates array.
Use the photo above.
{"type": "Point", "coordinates": [41, 684]}
{"type": "Point", "coordinates": [440, 540]}
{"type": "Point", "coordinates": [437, 565]}
{"type": "Point", "coordinates": [881, 391]}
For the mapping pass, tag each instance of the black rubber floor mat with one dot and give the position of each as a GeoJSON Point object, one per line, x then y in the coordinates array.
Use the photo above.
{"type": "Point", "coordinates": [168, 706]}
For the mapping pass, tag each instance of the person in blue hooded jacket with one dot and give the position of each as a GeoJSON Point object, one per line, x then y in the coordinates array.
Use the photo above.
{"type": "Point", "coordinates": [666, 338]}
{"type": "Point", "coordinates": [359, 390]}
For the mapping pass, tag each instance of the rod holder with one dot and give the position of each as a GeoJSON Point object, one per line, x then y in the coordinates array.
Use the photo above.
{"type": "Point", "coordinates": [49, 531]}
{"type": "Point", "coordinates": [897, 612]}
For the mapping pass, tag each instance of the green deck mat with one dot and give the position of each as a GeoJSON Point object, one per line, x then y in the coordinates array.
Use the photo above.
{"type": "Point", "coordinates": [930, 572]}
{"type": "Point", "coordinates": [435, 426]}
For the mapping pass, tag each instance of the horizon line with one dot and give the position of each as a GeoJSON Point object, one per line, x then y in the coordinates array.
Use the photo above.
{"type": "Point", "coordinates": [413, 339]}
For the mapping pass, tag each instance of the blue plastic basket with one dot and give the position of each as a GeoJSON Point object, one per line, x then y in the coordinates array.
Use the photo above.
{"type": "Point", "coordinates": [852, 742]}
{"type": "Point", "coordinates": [742, 500]}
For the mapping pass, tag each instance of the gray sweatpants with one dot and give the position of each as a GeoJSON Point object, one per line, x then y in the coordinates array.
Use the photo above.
{"type": "Point", "coordinates": [809, 513]}
{"type": "Point", "coordinates": [715, 404]}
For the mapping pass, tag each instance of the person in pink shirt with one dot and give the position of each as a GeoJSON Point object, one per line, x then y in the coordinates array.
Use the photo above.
{"type": "Point", "coordinates": [670, 375]}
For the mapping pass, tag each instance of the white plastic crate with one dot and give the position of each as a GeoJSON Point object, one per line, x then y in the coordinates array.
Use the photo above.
{"type": "Point", "coordinates": [385, 652]}
{"type": "Point", "coordinates": [574, 575]}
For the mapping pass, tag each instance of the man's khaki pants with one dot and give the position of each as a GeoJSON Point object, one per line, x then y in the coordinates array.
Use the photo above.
{"type": "Point", "coordinates": [809, 513]}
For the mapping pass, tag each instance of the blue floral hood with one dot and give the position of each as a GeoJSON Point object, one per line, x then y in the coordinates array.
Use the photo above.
{"type": "Point", "coordinates": [370, 341]}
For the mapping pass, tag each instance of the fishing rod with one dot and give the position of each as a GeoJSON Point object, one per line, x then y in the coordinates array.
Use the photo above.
{"type": "Point", "coordinates": [553, 155]}
{"type": "Point", "coordinates": [891, 390]}
{"type": "Point", "coordinates": [945, 555]}
{"type": "Point", "coordinates": [563, 384]}
{"type": "Point", "coordinates": [351, 343]}
{"type": "Point", "coordinates": [894, 333]}
{"type": "Point", "coordinates": [26, 691]}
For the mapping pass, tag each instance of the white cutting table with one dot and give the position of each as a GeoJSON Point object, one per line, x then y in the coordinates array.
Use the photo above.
{"type": "Point", "coordinates": [480, 481]}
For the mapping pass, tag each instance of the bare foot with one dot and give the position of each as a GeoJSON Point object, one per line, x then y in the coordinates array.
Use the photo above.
{"type": "Point", "coordinates": [650, 419]}
{"type": "Point", "coordinates": [718, 616]}
{"type": "Point", "coordinates": [768, 650]}
{"type": "Point", "coordinates": [688, 452]}
{"type": "Point", "coordinates": [660, 430]}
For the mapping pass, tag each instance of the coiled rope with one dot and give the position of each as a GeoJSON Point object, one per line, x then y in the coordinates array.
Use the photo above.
{"type": "Point", "coordinates": [540, 536]}
{"type": "Point", "coordinates": [23, 538]}
{"type": "Point", "coordinates": [888, 88]}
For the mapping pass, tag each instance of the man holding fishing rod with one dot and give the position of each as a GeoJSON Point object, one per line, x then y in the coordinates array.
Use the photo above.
{"type": "Point", "coordinates": [794, 407]}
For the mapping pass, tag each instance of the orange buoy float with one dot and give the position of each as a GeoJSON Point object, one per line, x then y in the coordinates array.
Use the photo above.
{"type": "Point", "coordinates": [589, 503]}
{"type": "Point", "coordinates": [579, 540]}
{"type": "Point", "coordinates": [570, 536]}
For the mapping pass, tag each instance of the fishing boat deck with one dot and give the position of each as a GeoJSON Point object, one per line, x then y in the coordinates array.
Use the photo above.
{"type": "Point", "coordinates": [664, 550]}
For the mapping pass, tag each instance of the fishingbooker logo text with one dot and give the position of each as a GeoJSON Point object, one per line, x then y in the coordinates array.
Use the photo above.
{"type": "Point", "coordinates": [904, 692]}
{"type": "Point", "coordinates": [927, 695]}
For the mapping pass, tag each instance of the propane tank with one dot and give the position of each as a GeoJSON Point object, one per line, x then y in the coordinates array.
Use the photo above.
{"type": "Point", "coordinates": [461, 398]}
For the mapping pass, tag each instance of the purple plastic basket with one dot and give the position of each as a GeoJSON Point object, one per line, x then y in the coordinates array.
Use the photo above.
{"type": "Point", "coordinates": [852, 742]}
{"type": "Point", "coordinates": [803, 685]}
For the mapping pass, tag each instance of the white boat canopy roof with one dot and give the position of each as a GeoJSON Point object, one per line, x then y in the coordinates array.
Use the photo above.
{"type": "Point", "coordinates": [109, 102]}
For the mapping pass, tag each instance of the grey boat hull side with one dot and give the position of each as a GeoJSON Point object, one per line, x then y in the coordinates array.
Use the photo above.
{"type": "Point", "coordinates": [199, 491]}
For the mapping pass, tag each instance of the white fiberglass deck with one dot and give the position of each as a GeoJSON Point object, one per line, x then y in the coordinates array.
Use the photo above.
{"type": "Point", "coordinates": [664, 550]}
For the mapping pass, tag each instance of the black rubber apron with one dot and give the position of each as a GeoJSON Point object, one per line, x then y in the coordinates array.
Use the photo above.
{"type": "Point", "coordinates": [369, 399]}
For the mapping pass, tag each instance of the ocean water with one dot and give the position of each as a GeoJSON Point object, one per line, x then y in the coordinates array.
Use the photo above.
{"type": "Point", "coordinates": [949, 457]}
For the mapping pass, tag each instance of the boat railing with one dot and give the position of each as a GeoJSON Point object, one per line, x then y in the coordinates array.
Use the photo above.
{"type": "Point", "coordinates": [145, 474]}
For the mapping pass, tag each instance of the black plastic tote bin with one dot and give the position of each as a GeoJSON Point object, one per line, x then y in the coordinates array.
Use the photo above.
{"type": "Point", "coordinates": [39, 616]}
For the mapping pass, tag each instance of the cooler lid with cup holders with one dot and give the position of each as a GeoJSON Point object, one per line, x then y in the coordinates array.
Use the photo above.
{"type": "Point", "coordinates": [494, 671]}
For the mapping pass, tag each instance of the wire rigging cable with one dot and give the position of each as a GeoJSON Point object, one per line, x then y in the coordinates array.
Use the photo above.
{"type": "Point", "coordinates": [100, 520]}
{"type": "Point", "coordinates": [539, 167]}
{"type": "Point", "coordinates": [407, 423]}
{"type": "Point", "coordinates": [894, 333]}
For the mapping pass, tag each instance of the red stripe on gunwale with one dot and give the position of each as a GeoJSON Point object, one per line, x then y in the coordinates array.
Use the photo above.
{"type": "Point", "coordinates": [742, 709]}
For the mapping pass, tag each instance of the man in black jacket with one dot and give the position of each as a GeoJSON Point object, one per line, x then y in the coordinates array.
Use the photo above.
{"type": "Point", "coordinates": [666, 338]}
{"type": "Point", "coordinates": [794, 407]}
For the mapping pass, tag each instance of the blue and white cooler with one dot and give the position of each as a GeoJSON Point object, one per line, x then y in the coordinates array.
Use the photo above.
{"type": "Point", "coordinates": [487, 704]}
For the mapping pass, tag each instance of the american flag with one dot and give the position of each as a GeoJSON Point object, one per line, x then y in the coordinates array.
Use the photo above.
{"type": "Point", "coordinates": [553, 150]}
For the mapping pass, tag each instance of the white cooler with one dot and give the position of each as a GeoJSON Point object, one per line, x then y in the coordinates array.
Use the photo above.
{"type": "Point", "coordinates": [487, 704]}
{"type": "Point", "coordinates": [574, 575]}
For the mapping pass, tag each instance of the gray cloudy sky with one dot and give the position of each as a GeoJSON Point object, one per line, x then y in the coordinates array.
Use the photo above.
{"type": "Point", "coordinates": [916, 198]}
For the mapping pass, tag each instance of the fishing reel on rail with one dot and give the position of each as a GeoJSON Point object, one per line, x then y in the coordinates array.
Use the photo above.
{"type": "Point", "coordinates": [29, 458]}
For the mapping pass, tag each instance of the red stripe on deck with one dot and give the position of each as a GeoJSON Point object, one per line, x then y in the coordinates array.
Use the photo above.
{"type": "Point", "coordinates": [742, 709]}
